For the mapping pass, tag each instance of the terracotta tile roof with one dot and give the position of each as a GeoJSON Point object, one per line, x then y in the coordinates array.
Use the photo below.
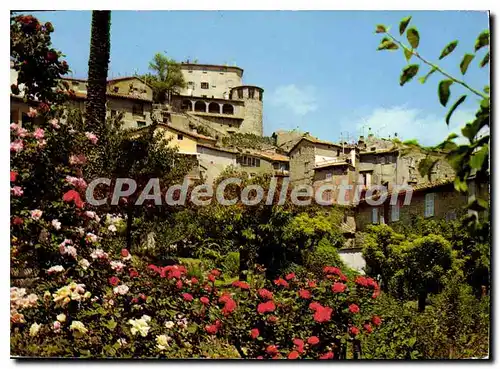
{"type": "Point", "coordinates": [218, 148]}
{"type": "Point", "coordinates": [83, 95]}
{"type": "Point", "coordinates": [332, 164]}
{"type": "Point", "coordinates": [383, 151]}
{"type": "Point", "coordinates": [313, 140]}
{"type": "Point", "coordinates": [189, 133]}
{"type": "Point", "coordinates": [271, 155]}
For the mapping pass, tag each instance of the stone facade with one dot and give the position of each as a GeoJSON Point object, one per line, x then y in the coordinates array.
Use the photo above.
{"type": "Point", "coordinates": [214, 160]}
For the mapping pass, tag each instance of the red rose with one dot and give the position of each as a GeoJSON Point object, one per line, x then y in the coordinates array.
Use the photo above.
{"type": "Point", "coordinates": [311, 284]}
{"type": "Point", "coordinates": [293, 355]}
{"type": "Point", "coordinates": [17, 221]}
{"type": "Point", "coordinates": [125, 253]}
{"type": "Point", "coordinates": [241, 284]}
{"type": "Point", "coordinates": [281, 282]}
{"type": "Point", "coordinates": [290, 276]}
{"type": "Point", "coordinates": [133, 273]}
{"type": "Point", "coordinates": [265, 294]}
{"type": "Point", "coordinates": [338, 287]}
{"type": "Point", "coordinates": [194, 280]}
{"type": "Point", "coordinates": [260, 358]}
{"type": "Point", "coordinates": [265, 307]}
{"type": "Point", "coordinates": [74, 196]}
{"type": "Point", "coordinates": [229, 307]}
{"type": "Point", "coordinates": [13, 176]}
{"type": "Point", "coordinates": [353, 308]}
{"type": "Point", "coordinates": [114, 281]}
{"type": "Point", "coordinates": [327, 356]}
{"type": "Point", "coordinates": [354, 331]}
{"type": "Point", "coordinates": [204, 300]}
{"type": "Point", "coordinates": [305, 294]}
{"type": "Point", "coordinates": [143, 296]}
{"type": "Point", "coordinates": [254, 333]}
{"type": "Point", "coordinates": [332, 270]}
{"type": "Point", "coordinates": [376, 293]}
{"type": "Point", "coordinates": [313, 340]}
{"type": "Point", "coordinates": [215, 272]}
{"type": "Point", "coordinates": [211, 278]}
{"type": "Point", "coordinates": [135, 300]}
{"type": "Point", "coordinates": [323, 314]}
{"type": "Point", "coordinates": [376, 320]}
{"type": "Point", "coordinates": [179, 284]}
{"type": "Point", "coordinates": [211, 329]}
{"type": "Point", "coordinates": [187, 296]}
{"type": "Point", "coordinates": [272, 350]}
{"type": "Point", "coordinates": [299, 344]}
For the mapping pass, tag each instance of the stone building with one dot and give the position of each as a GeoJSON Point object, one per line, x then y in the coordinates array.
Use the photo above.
{"type": "Point", "coordinates": [215, 93]}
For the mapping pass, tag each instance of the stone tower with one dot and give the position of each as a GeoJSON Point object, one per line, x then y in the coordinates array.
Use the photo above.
{"type": "Point", "coordinates": [252, 97]}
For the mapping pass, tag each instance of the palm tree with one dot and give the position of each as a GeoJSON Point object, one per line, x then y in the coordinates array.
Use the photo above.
{"type": "Point", "coordinates": [95, 106]}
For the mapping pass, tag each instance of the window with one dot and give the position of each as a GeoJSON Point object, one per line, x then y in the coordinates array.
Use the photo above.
{"type": "Point", "coordinates": [395, 212]}
{"type": "Point", "coordinates": [374, 215]}
{"type": "Point", "coordinates": [429, 205]}
{"type": "Point", "coordinates": [204, 85]}
{"type": "Point", "coordinates": [141, 123]}
{"type": "Point", "coordinates": [116, 89]}
{"type": "Point", "coordinates": [137, 109]}
{"type": "Point", "coordinates": [240, 94]}
{"type": "Point", "coordinates": [190, 84]}
{"type": "Point", "coordinates": [251, 93]}
{"type": "Point", "coordinates": [451, 215]}
{"type": "Point", "coordinates": [328, 175]}
{"type": "Point", "coordinates": [246, 161]}
{"type": "Point", "coordinates": [180, 137]}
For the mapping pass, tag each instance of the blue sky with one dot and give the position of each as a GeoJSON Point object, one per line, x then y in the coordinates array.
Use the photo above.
{"type": "Point", "coordinates": [320, 69]}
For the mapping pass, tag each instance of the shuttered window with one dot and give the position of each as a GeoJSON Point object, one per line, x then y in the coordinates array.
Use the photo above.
{"type": "Point", "coordinates": [429, 205]}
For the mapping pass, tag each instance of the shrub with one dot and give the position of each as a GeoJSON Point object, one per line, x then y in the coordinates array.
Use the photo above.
{"type": "Point", "coordinates": [231, 264]}
{"type": "Point", "coordinates": [324, 253]}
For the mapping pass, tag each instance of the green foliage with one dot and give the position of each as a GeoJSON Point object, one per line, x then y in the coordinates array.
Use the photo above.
{"type": "Point", "coordinates": [323, 254]}
{"type": "Point", "coordinates": [166, 79]}
{"type": "Point", "coordinates": [413, 37]}
{"type": "Point", "coordinates": [444, 91]}
{"type": "Point", "coordinates": [231, 264]}
{"type": "Point", "coordinates": [448, 49]}
{"type": "Point", "coordinates": [464, 64]}
{"type": "Point", "coordinates": [403, 24]}
{"type": "Point", "coordinates": [408, 73]}
{"type": "Point", "coordinates": [248, 140]}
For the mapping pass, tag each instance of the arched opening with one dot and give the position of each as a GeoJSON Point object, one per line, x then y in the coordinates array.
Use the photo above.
{"type": "Point", "coordinates": [227, 109]}
{"type": "Point", "coordinates": [200, 106]}
{"type": "Point", "coordinates": [214, 108]}
{"type": "Point", "coordinates": [186, 105]}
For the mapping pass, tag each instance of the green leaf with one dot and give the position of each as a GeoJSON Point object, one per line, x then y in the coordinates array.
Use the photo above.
{"type": "Point", "coordinates": [465, 62]}
{"type": "Point", "coordinates": [444, 91]}
{"type": "Point", "coordinates": [485, 60]}
{"type": "Point", "coordinates": [482, 40]}
{"type": "Point", "coordinates": [477, 159]}
{"type": "Point", "coordinates": [408, 73]}
{"type": "Point", "coordinates": [408, 54]}
{"type": "Point", "coordinates": [380, 28]}
{"type": "Point", "coordinates": [424, 78]}
{"type": "Point", "coordinates": [387, 44]}
{"type": "Point", "coordinates": [403, 24]}
{"type": "Point", "coordinates": [460, 186]}
{"type": "Point", "coordinates": [452, 109]}
{"type": "Point", "coordinates": [452, 136]}
{"type": "Point", "coordinates": [412, 341]}
{"type": "Point", "coordinates": [413, 37]}
{"type": "Point", "coordinates": [448, 49]}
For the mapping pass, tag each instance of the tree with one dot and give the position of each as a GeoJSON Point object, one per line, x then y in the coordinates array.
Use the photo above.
{"type": "Point", "coordinates": [469, 160]}
{"type": "Point", "coordinates": [380, 252]}
{"type": "Point", "coordinates": [427, 259]}
{"type": "Point", "coordinates": [166, 79]}
{"type": "Point", "coordinates": [95, 105]}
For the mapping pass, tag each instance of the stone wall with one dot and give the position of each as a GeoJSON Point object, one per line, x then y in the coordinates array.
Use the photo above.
{"type": "Point", "coordinates": [302, 163]}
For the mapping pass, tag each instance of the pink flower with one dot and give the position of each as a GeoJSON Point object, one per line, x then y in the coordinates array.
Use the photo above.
{"type": "Point", "coordinates": [79, 183]}
{"type": "Point", "coordinates": [36, 214]}
{"type": "Point", "coordinates": [77, 159]}
{"type": "Point", "coordinates": [229, 307]}
{"type": "Point", "coordinates": [13, 176]}
{"type": "Point", "coordinates": [17, 146]}
{"type": "Point", "coordinates": [39, 133]}
{"type": "Point", "coordinates": [32, 113]}
{"type": "Point", "coordinates": [187, 297]}
{"type": "Point", "coordinates": [266, 307]}
{"type": "Point", "coordinates": [211, 329]}
{"type": "Point", "coordinates": [265, 294]}
{"type": "Point", "coordinates": [272, 350]}
{"type": "Point", "coordinates": [114, 281]}
{"type": "Point", "coordinates": [21, 132]}
{"type": "Point", "coordinates": [54, 122]}
{"type": "Point", "coordinates": [281, 282]}
{"type": "Point", "coordinates": [323, 314]}
{"type": "Point", "coordinates": [91, 238]}
{"type": "Point", "coordinates": [293, 355]}
{"type": "Point", "coordinates": [17, 191]}
{"type": "Point", "coordinates": [92, 137]}
{"type": "Point", "coordinates": [14, 126]}
{"type": "Point", "coordinates": [368, 327]}
{"type": "Point", "coordinates": [299, 344]}
{"type": "Point", "coordinates": [57, 326]}
{"type": "Point", "coordinates": [376, 320]}
{"type": "Point", "coordinates": [332, 270]}
{"type": "Point", "coordinates": [290, 276]}
{"type": "Point", "coordinates": [41, 144]}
